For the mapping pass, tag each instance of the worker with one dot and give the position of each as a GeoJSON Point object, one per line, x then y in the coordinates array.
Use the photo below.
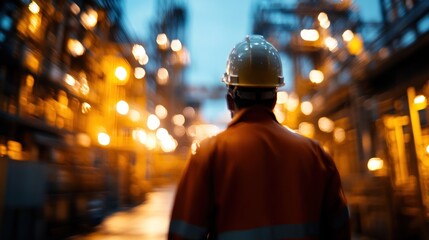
{"type": "Point", "coordinates": [258, 180]}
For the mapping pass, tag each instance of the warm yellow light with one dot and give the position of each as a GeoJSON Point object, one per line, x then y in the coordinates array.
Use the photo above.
{"type": "Point", "coordinates": [34, 8]}
{"type": "Point", "coordinates": [280, 116]}
{"type": "Point", "coordinates": [178, 119]}
{"type": "Point", "coordinates": [282, 97]}
{"type": "Point", "coordinates": [331, 43]}
{"type": "Point", "coordinates": [35, 22]}
{"type": "Point", "coordinates": [69, 79]}
{"type": "Point", "coordinates": [326, 124]}
{"type": "Point", "coordinates": [122, 107]}
{"type": "Point", "coordinates": [322, 17]}
{"type": "Point", "coordinates": [161, 133]}
{"type": "Point", "coordinates": [139, 73]}
{"type": "Point", "coordinates": [144, 60]}
{"type": "Point", "coordinates": [168, 144]}
{"type": "Point", "coordinates": [29, 81]}
{"type": "Point", "coordinates": [134, 115]}
{"type": "Point", "coordinates": [31, 61]}
{"type": "Point", "coordinates": [355, 45]}
{"type": "Point", "coordinates": [75, 47]}
{"type": "Point", "coordinates": [84, 87]}
{"type": "Point", "coordinates": [323, 20]}
{"type": "Point", "coordinates": [375, 163]}
{"type": "Point", "coordinates": [176, 45]}
{"type": "Point", "coordinates": [140, 135]}
{"type": "Point", "coordinates": [138, 51]}
{"type": "Point", "coordinates": [306, 129]}
{"type": "Point", "coordinates": [89, 19]}
{"type": "Point", "coordinates": [316, 76]}
{"type": "Point", "coordinates": [153, 122]}
{"type": "Point", "coordinates": [162, 76]}
{"type": "Point", "coordinates": [347, 35]}
{"type": "Point", "coordinates": [311, 35]}
{"type": "Point", "coordinates": [85, 108]}
{"type": "Point", "coordinates": [162, 41]}
{"type": "Point", "coordinates": [161, 111]}
{"type": "Point", "coordinates": [121, 73]}
{"type": "Point", "coordinates": [306, 107]}
{"type": "Point", "coordinates": [420, 102]}
{"type": "Point", "coordinates": [292, 102]}
{"type": "Point", "coordinates": [151, 141]}
{"type": "Point", "coordinates": [103, 139]}
{"type": "Point", "coordinates": [339, 135]}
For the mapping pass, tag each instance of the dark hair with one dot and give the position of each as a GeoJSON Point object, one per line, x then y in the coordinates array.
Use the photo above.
{"type": "Point", "coordinates": [245, 97]}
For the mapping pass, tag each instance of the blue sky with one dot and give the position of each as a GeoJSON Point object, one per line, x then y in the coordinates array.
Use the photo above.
{"type": "Point", "coordinates": [214, 27]}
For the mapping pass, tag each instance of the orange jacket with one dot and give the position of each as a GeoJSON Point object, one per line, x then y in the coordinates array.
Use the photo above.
{"type": "Point", "coordinates": [258, 180]}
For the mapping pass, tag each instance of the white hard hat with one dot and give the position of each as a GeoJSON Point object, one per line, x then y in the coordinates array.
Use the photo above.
{"type": "Point", "coordinates": [254, 62]}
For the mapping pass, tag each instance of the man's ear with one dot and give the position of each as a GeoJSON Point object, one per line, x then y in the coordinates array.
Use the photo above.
{"type": "Point", "coordinates": [230, 102]}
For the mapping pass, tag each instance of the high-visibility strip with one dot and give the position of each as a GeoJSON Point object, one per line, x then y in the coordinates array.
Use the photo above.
{"type": "Point", "coordinates": [186, 230]}
{"type": "Point", "coordinates": [274, 232]}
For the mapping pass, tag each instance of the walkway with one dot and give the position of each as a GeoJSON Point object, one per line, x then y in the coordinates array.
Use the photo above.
{"type": "Point", "coordinates": [148, 221]}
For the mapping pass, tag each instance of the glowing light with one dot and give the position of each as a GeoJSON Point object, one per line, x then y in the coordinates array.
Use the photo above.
{"type": "Point", "coordinates": [161, 111]}
{"type": "Point", "coordinates": [176, 45]}
{"type": "Point", "coordinates": [161, 133]}
{"type": "Point", "coordinates": [162, 41]}
{"type": "Point", "coordinates": [139, 73]}
{"type": "Point", "coordinates": [85, 108]}
{"type": "Point", "coordinates": [347, 35]}
{"type": "Point", "coordinates": [75, 47]}
{"type": "Point", "coordinates": [69, 79]}
{"type": "Point", "coordinates": [306, 107]}
{"type": "Point", "coordinates": [326, 124]}
{"type": "Point", "coordinates": [103, 139]}
{"type": "Point", "coordinates": [311, 35]}
{"type": "Point", "coordinates": [89, 19]}
{"type": "Point", "coordinates": [162, 76]}
{"type": "Point", "coordinates": [140, 135]}
{"type": "Point", "coordinates": [420, 102]}
{"type": "Point", "coordinates": [134, 115]}
{"type": "Point", "coordinates": [331, 43]}
{"type": "Point", "coordinates": [122, 107]}
{"type": "Point", "coordinates": [306, 129]}
{"type": "Point", "coordinates": [34, 8]}
{"type": "Point", "coordinates": [178, 119]}
{"type": "Point", "coordinates": [153, 122]}
{"type": "Point", "coordinates": [282, 97]}
{"type": "Point", "coordinates": [293, 102]}
{"type": "Point", "coordinates": [138, 51]}
{"type": "Point", "coordinates": [375, 163]}
{"type": "Point", "coordinates": [316, 76]}
{"type": "Point", "coordinates": [151, 141]}
{"type": "Point", "coordinates": [121, 73]}
{"type": "Point", "coordinates": [339, 135]}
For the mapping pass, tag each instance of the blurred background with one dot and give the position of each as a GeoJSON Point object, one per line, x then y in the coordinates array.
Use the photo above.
{"type": "Point", "coordinates": [102, 100]}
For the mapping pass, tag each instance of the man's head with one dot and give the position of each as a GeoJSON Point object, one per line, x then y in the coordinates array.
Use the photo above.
{"type": "Point", "coordinates": [253, 74]}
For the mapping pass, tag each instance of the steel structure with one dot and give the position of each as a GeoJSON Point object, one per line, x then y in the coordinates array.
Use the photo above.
{"type": "Point", "coordinates": [370, 94]}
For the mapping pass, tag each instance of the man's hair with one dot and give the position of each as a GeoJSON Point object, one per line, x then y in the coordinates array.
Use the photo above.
{"type": "Point", "coordinates": [245, 97]}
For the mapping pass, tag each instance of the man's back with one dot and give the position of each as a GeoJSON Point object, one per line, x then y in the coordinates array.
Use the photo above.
{"type": "Point", "coordinates": [267, 182]}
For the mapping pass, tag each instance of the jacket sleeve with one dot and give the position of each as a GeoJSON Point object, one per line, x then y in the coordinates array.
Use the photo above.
{"type": "Point", "coordinates": [335, 222]}
{"type": "Point", "coordinates": [193, 205]}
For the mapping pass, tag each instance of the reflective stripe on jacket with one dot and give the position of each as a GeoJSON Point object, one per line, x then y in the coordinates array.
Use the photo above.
{"type": "Point", "coordinates": [258, 180]}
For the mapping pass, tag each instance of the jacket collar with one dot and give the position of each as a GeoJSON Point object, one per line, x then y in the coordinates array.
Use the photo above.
{"type": "Point", "coordinates": [253, 114]}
